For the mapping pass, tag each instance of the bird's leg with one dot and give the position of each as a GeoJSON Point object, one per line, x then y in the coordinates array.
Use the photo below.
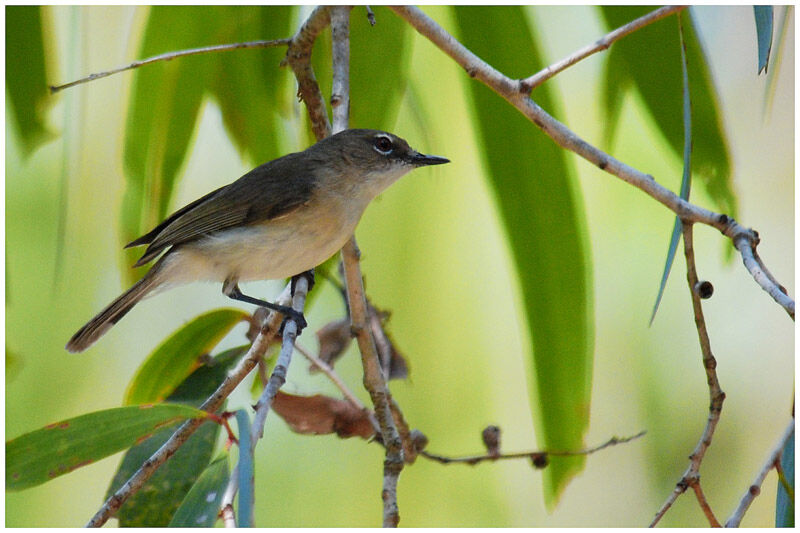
{"type": "Point", "coordinates": [230, 288]}
{"type": "Point", "coordinates": [308, 274]}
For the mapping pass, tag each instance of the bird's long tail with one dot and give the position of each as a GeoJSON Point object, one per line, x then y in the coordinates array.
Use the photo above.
{"type": "Point", "coordinates": [100, 324]}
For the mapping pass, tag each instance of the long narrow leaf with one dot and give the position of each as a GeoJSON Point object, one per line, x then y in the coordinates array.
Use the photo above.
{"type": "Point", "coordinates": [164, 108]}
{"type": "Point", "coordinates": [201, 505]}
{"type": "Point", "coordinates": [763, 15]}
{"type": "Point", "coordinates": [179, 356]}
{"type": "Point", "coordinates": [648, 59]}
{"type": "Point", "coordinates": [26, 75]}
{"type": "Point", "coordinates": [784, 506]}
{"type": "Point", "coordinates": [379, 59]}
{"type": "Point", "coordinates": [56, 449]}
{"type": "Point", "coordinates": [156, 503]}
{"type": "Point", "coordinates": [686, 180]}
{"type": "Point", "coordinates": [245, 470]}
{"type": "Point", "coordinates": [539, 203]}
{"type": "Point", "coordinates": [250, 84]}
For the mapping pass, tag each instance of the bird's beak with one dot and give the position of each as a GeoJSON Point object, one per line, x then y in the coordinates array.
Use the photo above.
{"type": "Point", "coordinates": [421, 160]}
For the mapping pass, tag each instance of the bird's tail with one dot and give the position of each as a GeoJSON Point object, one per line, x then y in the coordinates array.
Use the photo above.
{"type": "Point", "coordinates": [100, 324]}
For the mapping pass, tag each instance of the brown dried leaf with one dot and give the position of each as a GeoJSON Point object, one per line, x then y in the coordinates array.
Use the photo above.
{"type": "Point", "coordinates": [334, 338]}
{"type": "Point", "coordinates": [388, 355]}
{"type": "Point", "coordinates": [320, 415]}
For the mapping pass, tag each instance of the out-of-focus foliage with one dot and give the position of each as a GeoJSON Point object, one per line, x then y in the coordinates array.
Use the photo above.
{"type": "Point", "coordinates": [539, 201]}
{"type": "Point", "coordinates": [649, 60]}
{"type": "Point", "coordinates": [26, 75]}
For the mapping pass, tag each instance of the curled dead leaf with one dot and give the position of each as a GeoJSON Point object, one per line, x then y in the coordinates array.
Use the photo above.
{"type": "Point", "coordinates": [321, 415]}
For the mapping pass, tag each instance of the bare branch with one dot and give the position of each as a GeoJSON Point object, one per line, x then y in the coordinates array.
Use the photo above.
{"type": "Point", "coordinates": [298, 56]}
{"type": "Point", "coordinates": [516, 93]}
{"type": "Point", "coordinates": [278, 377]}
{"type": "Point", "coordinates": [326, 369]}
{"type": "Point", "coordinates": [373, 381]}
{"type": "Point", "coordinates": [340, 89]}
{"type": "Point", "coordinates": [172, 55]}
{"type": "Point", "coordinates": [755, 488]}
{"type": "Point", "coordinates": [601, 44]}
{"type": "Point", "coordinates": [691, 477]}
{"type": "Point", "coordinates": [534, 455]}
{"type": "Point", "coordinates": [182, 434]}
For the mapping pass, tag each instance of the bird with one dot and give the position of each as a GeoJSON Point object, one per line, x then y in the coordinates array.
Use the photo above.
{"type": "Point", "coordinates": [279, 220]}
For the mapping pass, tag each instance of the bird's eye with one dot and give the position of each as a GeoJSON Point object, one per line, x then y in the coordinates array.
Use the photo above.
{"type": "Point", "coordinates": [383, 144]}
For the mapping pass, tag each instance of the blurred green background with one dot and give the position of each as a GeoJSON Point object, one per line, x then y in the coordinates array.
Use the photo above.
{"type": "Point", "coordinates": [434, 254]}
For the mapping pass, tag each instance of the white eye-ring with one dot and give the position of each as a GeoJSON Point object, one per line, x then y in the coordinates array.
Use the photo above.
{"type": "Point", "coordinates": [383, 145]}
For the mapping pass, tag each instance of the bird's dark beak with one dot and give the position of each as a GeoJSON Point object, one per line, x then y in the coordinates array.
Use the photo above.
{"type": "Point", "coordinates": [421, 160]}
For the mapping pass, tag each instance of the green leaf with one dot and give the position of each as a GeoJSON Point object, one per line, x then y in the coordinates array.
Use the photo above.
{"type": "Point", "coordinates": [686, 181]}
{"type": "Point", "coordinates": [379, 60]}
{"type": "Point", "coordinates": [26, 75]}
{"type": "Point", "coordinates": [540, 206]}
{"type": "Point", "coordinates": [56, 449]}
{"type": "Point", "coordinates": [649, 59]}
{"type": "Point", "coordinates": [179, 355]}
{"type": "Point", "coordinates": [250, 84]}
{"type": "Point", "coordinates": [156, 503]}
{"type": "Point", "coordinates": [163, 111]}
{"type": "Point", "coordinates": [245, 470]}
{"type": "Point", "coordinates": [763, 15]}
{"type": "Point", "coordinates": [784, 505]}
{"type": "Point", "coordinates": [201, 505]}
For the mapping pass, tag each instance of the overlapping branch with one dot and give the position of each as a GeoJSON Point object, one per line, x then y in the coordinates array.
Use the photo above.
{"type": "Point", "coordinates": [516, 92]}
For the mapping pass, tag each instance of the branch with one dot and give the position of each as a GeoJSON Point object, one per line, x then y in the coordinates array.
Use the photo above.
{"type": "Point", "coordinates": [601, 44]}
{"type": "Point", "coordinates": [182, 434]}
{"type": "Point", "coordinates": [691, 478]}
{"type": "Point", "coordinates": [172, 55]}
{"type": "Point", "coordinates": [278, 377]}
{"type": "Point", "coordinates": [373, 377]}
{"type": "Point", "coordinates": [516, 93]}
{"type": "Point", "coordinates": [298, 57]}
{"type": "Point", "coordinates": [538, 457]}
{"type": "Point", "coordinates": [755, 488]}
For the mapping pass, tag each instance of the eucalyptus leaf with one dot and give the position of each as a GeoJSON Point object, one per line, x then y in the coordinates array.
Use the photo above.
{"type": "Point", "coordinates": [180, 355]}
{"type": "Point", "coordinates": [540, 206]}
{"type": "Point", "coordinates": [784, 506]}
{"type": "Point", "coordinates": [156, 503]}
{"type": "Point", "coordinates": [201, 505]}
{"type": "Point", "coordinates": [686, 180]}
{"type": "Point", "coordinates": [164, 108]}
{"type": "Point", "coordinates": [245, 471]}
{"type": "Point", "coordinates": [39, 456]}
{"type": "Point", "coordinates": [763, 16]}
{"type": "Point", "coordinates": [249, 84]}
{"type": "Point", "coordinates": [649, 60]}
{"type": "Point", "coordinates": [380, 57]}
{"type": "Point", "coordinates": [26, 75]}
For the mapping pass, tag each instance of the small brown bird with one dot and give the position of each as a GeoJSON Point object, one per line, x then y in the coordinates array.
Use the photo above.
{"type": "Point", "coordinates": [279, 220]}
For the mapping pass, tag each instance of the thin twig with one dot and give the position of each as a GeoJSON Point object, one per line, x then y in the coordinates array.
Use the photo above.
{"type": "Point", "coordinates": [475, 459]}
{"type": "Point", "coordinates": [278, 376]}
{"type": "Point", "coordinates": [599, 45]}
{"type": "Point", "coordinates": [328, 370]}
{"type": "Point", "coordinates": [298, 56]}
{"type": "Point", "coordinates": [706, 508]}
{"type": "Point", "coordinates": [182, 434]}
{"type": "Point", "coordinates": [692, 474]}
{"type": "Point", "coordinates": [755, 488]}
{"type": "Point", "coordinates": [752, 262]}
{"type": "Point", "coordinates": [172, 55]}
{"type": "Point", "coordinates": [340, 50]}
{"type": "Point", "coordinates": [515, 92]}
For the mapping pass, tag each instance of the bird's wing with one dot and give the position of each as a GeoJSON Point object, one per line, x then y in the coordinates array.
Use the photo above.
{"type": "Point", "coordinates": [262, 194]}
